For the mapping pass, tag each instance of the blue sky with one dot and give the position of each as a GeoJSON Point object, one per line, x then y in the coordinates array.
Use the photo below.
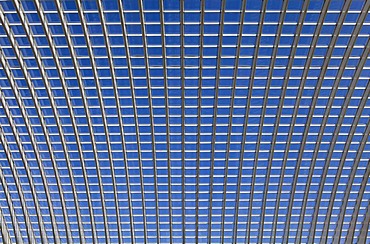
{"type": "Point", "coordinates": [185, 121]}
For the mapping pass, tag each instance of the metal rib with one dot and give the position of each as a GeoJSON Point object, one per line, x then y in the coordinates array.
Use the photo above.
{"type": "Point", "coordinates": [12, 166]}
{"type": "Point", "coordinates": [352, 226]}
{"type": "Point", "coordinates": [5, 234]}
{"type": "Point", "coordinates": [281, 104]}
{"type": "Point", "coordinates": [148, 78]}
{"type": "Point", "coordinates": [133, 99]}
{"type": "Point", "coordinates": [280, 109]}
{"type": "Point", "coordinates": [200, 72]}
{"type": "Point", "coordinates": [182, 48]}
{"type": "Point", "coordinates": [167, 114]}
{"type": "Point", "coordinates": [327, 112]}
{"type": "Point", "coordinates": [327, 58]}
{"type": "Point", "coordinates": [26, 119]}
{"type": "Point", "coordinates": [279, 113]}
{"type": "Point", "coordinates": [365, 227]}
{"type": "Point", "coordinates": [102, 109]}
{"type": "Point", "coordinates": [338, 229]}
{"type": "Point", "coordinates": [13, 217]}
{"type": "Point", "coordinates": [27, 77]}
{"type": "Point", "coordinates": [218, 70]}
{"type": "Point", "coordinates": [260, 129]}
{"type": "Point", "coordinates": [119, 113]}
{"type": "Point", "coordinates": [86, 107]}
{"type": "Point", "coordinates": [19, 142]}
{"type": "Point", "coordinates": [351, 229]}
{"type": "Point", "coordinates": [295, 115]}
{"type": "Point", "coordinates": [235, 76]}
{"type": "Point", "coordinates": [45, 79]}
{"type": "Point", "coordinates": [229, 129]}
{"type": "Point", "coordinates": [24, 157]}
{"type": "Point", "coordinates": [249, 98]}
{"type": "Point", "coordinates": [359, 111]}
{"type": "Point", "coordinates": [63, 82]}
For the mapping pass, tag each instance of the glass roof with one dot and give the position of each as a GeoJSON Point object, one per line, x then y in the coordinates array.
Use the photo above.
{"type": "Point", "coordinates": [234, 121]}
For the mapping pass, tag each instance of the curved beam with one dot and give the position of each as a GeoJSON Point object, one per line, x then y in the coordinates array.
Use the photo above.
{"type": "Point", "coordinates": [164, 60]}
{"type": "Point", "coordinates": [18, 184]}
{"type": "Point", "coordinates": [338, 77]}
{"type": "Point", "coordinates": [262, 119]}
{"type": "Point", "coordinates": [5, 234]}
{"type": "Point", "coordinates": [182, 60]}
{"type": "Point", "coordinates": [18, 96]}
{"type": "Point", "coordinates": [279, 113]}
{"type": "Point", "coordinates": [86, 107]}
{"type": "Point", "coordinates": [295, 115]}
{"type": "Point", "coordinates": [53, 105]}
{"type": "Point", "coordinates": [200, 82]}
{"type": "Point", "coordinates": [215, 107]}
{"type": "Point", "coordinates": [365, 227]}
{"type": "Point", "coordinates": [338, 229]}
{"type": "Point", "coordinates": [359, 111]}
{"type": "Point", "coordinates": [151, 118]}
{"type": "Point", "coordinates": [229, 129]}
{"type": "Point", "coordinates": [102, 109]}
{"type": "Point", "coordinates": [52, 46]}
{"type": "Point", "coordinates": [34, 96]}
{"type": "Point", "coordinates": [327, 58]}
{"type": "Point", "coordinates": [249, 98]}
{"type": "Point", "coordinates": [119, 113]}
{"type": "Point", "coordinates": [133, 100]}
{"type": "Point", "coordinates": [13, 217]}
{"type": "Point", "coordinates": [26, 166]}
{"type": "Point", "coordinates": [352, 225]}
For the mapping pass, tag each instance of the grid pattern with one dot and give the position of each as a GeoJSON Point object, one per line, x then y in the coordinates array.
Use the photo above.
{"type": "Point", "coordinates": [232, 121]}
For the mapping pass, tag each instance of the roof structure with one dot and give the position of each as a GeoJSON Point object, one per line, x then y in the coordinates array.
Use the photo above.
{"type": "Point", "coordinates": [223, 121]}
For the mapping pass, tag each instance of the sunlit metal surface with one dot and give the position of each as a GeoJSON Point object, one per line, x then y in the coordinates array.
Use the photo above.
{"type": "Point", "coordinates": [194, 121]}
